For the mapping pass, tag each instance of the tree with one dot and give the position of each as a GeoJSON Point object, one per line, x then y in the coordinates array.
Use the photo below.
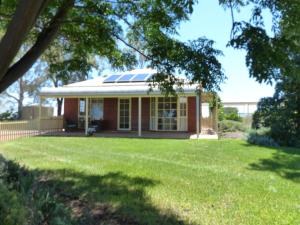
{"type": "Point", "coordinates": [65, 66]}
{"type": "Point", "coordinates": [268, 55]}
{"type": "Point", "coordinates": [99, 28]}
{"type": "Point", "coordinates": [26, 86]}
{"type": "Point", "coordinates": [232, 113]}
{"type": "Point", "coordinates": [281, 113]}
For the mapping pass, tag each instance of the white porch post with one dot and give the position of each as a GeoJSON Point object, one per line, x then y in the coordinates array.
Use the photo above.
{"type": "Point", "coordinates": [86, 115]}
{"type": "Point", "coordinates": [197, 115]}
{"type": "Point", "coordinates": [140, 117]}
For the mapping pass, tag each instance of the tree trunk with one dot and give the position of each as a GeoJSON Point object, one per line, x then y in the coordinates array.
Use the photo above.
{"type": "Point", "coordinates": [43, 41]}
{"type": "Point", "coordinates": [59, 106]}
{"type": "Point", "coordinates": [21, 98]}
{"type": "Point", "coordinates": [25, 16]}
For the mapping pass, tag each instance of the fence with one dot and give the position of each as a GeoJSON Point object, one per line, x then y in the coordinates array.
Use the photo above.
{"type": "Point", "coordinates": [10, 130]}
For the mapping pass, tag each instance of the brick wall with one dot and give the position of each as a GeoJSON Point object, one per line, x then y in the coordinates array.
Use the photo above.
{"type": "Point", "coordinates": [71, 109]}
{"type": "Point", "coordinates": [192, 114]}
{"type": "Point", "coordinates": [110, 113]}
{"type": "Point", "coordinates": [135, 113]}
{"type": "Point", "coordinates": [145, 113]}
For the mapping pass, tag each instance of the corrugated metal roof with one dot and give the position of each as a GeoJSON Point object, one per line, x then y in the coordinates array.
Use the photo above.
{"type": "Point", "coordinates": [96, 87]}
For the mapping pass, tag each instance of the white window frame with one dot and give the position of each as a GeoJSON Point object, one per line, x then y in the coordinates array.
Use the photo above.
{"type": "Point", "coordinates": [177, 113]}
{"type": "Point", "coordinates": [124, 129]}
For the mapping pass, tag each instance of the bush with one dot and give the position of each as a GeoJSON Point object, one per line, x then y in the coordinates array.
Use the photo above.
{"type": "Point", "coordinates": [231, 126]}
{"type": "Point", "coordinates": [261, 137]}
{"type": "Point", "coordinates": [8, 115]}
{"type": "Point", "coordinates": [12, 212]}
{"type": "Point", "coordinates": [22, 191]}
{"type": "Point", "coordinates": [231, 113]}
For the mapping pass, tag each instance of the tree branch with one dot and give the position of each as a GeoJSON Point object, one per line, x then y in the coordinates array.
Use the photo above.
{"type": "Point", "coordinates": [25, 16]}
{"type": "Point", "coordinates": [10, 96]}
{"type": "Point", "coordinates": [41, 44]}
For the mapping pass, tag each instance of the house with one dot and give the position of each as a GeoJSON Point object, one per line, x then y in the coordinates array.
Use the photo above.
{"type": "Point", "coordinates": [245, 108]}
{"type": "Point", "coordinates": [122, 102]}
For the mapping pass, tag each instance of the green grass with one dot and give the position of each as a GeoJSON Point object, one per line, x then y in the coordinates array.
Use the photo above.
{"type": "Point", "coordinates": [172, 181]}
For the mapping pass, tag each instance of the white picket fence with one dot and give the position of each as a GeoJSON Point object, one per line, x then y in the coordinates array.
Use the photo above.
{"type": "Point", "coordinates": [10, 130]}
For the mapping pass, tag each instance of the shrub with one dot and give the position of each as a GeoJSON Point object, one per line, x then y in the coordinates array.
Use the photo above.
{"type": "Point", "coordinates": [231, 126]}
{"type": "Point", "coordinates": [261, 137]}
{"type": "Point", "coordinates": [12, 212]}
{"type": "Point", "coordinates": [231, 113]}
{"type": "Point", "coordinates": [23, 191]}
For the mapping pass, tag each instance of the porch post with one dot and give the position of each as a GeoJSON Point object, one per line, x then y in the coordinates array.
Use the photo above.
{"type": "Point", "coordinates": [197, 115]}
{"type": "Point", "coordinates": [140, 117]}
{"type": "Point", "coordinates": [86, 115]}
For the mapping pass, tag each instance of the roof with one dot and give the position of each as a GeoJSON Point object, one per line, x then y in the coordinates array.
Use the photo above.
{"type": "Point", "coordinates": [96, 87]}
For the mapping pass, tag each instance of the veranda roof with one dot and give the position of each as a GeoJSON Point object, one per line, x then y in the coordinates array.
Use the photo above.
{"type": "Point", "coordinates": [96, 87]}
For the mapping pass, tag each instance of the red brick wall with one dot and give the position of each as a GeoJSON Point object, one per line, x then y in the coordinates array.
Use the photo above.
{"type": "Point", "coordinates": [135, 113]}
{"type": "Point", "coordinates": [110, 113]}
{"type": "Point", "coordinates": [71, 109]}
{"type": "Point", "coordinates": [145, 113]}
{"type": "Point", "coordinates": [192, 114]}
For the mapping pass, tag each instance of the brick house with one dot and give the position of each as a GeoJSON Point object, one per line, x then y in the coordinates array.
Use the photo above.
{"type": "Point", "coordinates": [123, 103]}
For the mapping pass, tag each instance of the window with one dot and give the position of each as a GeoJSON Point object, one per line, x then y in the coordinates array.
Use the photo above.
{"type": "Point", "coordinates": [82, 106]}
{"type": "Point", "coordinates": [124, 114]}
{"type": "Point", "coordinates": [182, 114]}
{"type": "Point", "coordinates": [96, 109]}
{"type": "Point", "coordinates": [167, 113]}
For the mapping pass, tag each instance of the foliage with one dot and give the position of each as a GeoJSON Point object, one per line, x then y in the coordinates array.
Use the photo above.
{"type": "Point", "coordinates": [220, 109]}
{"type": "Point", "coordinates": [12, 212]}
{"type": "Point", "coordinates": [268, 54]}
{"type": "Point", "coordinates": [8, 115]}
{"type": "Point", "coordinates": [25, 199]}
{"type": "Point", "coordinates": [231, 126]}
{"type": "Point", "coordinates": [261, 137]}
{"type": "Point", "coordinates": [281, 113]}
{"type": "Point", "coordinates": [110, 30]}
{"type": "Point", "coordinates": [232, 113]}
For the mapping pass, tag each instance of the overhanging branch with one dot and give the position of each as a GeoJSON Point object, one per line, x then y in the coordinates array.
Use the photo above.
{"type": "Point", "coordinates": [42, 42]}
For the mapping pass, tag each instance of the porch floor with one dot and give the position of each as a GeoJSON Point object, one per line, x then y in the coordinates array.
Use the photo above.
{"type": "Point", "coordinates": [145, 134]}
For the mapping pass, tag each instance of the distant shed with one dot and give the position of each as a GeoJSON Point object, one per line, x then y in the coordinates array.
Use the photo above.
{"type": "Point", "coordinates": [32, 112]}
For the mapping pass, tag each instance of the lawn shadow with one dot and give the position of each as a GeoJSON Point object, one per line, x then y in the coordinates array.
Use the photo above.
{"type": "Point", "coordinates": [285, 162]}
{"type": "Point", "coordinates": [113, 198]}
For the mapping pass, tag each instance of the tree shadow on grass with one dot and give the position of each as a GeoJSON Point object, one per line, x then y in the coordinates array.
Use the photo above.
{"type": "Point", "coordinates": [285, 162]}
{"type": "Point", "coordinates": [113, 198]}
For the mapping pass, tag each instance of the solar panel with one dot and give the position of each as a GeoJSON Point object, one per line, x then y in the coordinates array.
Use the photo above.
{"type": "Point", "coordinates": [126, 78]}
{"type": "Point", "coordinates": [111, 79]}
{"type": "Point", "coordinates": [141, 77]}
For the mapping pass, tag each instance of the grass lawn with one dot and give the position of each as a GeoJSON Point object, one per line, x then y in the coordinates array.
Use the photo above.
{"type": "Point", "coordinates": [171, 181]}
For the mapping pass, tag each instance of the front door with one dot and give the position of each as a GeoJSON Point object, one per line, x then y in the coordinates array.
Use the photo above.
{"type": "Point", "coordinates": [124, 119]}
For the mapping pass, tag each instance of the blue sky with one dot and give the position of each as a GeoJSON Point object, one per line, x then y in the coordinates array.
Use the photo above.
{"type": "Point", "coordinates": [212, 21]}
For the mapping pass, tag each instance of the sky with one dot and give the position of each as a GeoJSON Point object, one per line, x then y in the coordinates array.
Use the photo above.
{"type": "Point", "coordinates": [214, 22]}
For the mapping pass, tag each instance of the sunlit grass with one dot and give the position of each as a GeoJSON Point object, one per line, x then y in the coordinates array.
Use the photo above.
{"type": "Point", "coordinates": [198, 182]}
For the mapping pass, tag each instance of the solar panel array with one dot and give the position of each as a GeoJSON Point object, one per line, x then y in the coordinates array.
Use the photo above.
{"type": "Point", "coordinates": [126, 78]}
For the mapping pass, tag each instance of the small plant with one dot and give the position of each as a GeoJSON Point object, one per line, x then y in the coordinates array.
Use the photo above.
{"type": "Point", "coordinates": [25, 198]}
{"type": "Point", "coordinates": [261, 137]}
{"type": "Point", "coordinates": [12, 211]}
{"type": "Point", "coordinates": [231, 126]}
